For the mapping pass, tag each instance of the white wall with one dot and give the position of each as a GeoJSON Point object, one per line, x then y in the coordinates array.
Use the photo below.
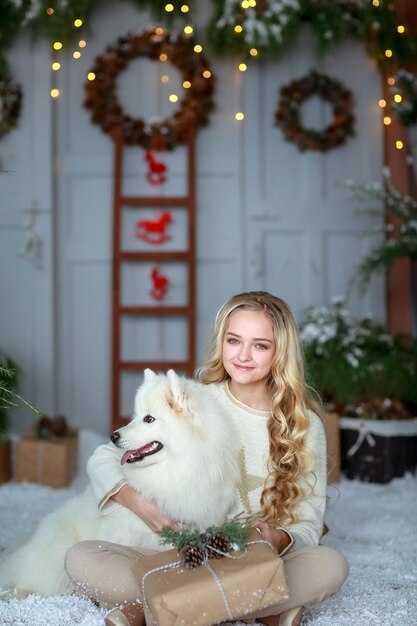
{"type": "Point", "coordinates": [269, 216]}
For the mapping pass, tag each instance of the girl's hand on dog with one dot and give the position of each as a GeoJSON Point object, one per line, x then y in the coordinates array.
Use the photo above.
{"type": "Point", "coordinates": [147, 511]}
{"type": "Point", "coordinates": [278, 538]}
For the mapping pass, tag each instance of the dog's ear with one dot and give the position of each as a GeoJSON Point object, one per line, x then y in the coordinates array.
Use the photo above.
{"type": "Point", "coordinates": [176, 386]}
{"type": "Point", "coordinates": [149, 375]}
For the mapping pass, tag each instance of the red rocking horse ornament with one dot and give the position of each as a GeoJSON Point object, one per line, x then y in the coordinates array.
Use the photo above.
{"type": "Point", "coordinates": [156, 169]}
{"type": "Point", "coordinates": [154, 231]}
{"type": "Point", "coordinates": [160, 284]}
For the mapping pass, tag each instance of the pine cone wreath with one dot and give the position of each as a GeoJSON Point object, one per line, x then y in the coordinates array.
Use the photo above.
{"type": "Point", "coordinates": [217, 546]}
{"type": "Point", "coordinates": [191, 556]}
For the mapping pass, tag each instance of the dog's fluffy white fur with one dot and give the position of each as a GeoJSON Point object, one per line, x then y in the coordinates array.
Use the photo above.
{"type": "Point", "coordinates": [192, 478]}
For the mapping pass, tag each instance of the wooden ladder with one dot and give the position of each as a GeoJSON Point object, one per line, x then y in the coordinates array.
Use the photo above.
{"type": "Point", "coordinates": [123, 202]}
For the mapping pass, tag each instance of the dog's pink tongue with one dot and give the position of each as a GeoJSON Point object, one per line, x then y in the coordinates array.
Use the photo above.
{"type": "Point", "coordinates": [127, 455]}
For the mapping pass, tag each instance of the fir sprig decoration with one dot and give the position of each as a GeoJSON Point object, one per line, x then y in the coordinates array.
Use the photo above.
{"type": "Point", "coordinates": [235, 534]}
{"type": "Point", "coordinates": [400, 234]}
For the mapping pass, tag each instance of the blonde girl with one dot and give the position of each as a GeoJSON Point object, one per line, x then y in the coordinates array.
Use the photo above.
{"type": "Point", "coordinates": [255, 368]}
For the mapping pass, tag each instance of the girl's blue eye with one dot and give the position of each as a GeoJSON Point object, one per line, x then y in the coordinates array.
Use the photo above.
{"type": "Point", "coordinates": [261, 346]}
{"type": "Point", "coordinates": [232, 340]}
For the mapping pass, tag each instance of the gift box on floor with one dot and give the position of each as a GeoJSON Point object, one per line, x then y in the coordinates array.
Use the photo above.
{"type": "Point", "coordinates": [219, 590]}
{"type": "Point", "coordinates": [51, 462]}
{"type": "Point", "coordinates": [378, 450]}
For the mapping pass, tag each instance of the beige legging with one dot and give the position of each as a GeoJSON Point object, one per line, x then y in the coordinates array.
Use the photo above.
{"type": "Point", "coordinates": [103, 570]}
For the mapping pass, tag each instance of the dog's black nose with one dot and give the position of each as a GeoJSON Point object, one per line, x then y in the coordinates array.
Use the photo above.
{"type": "Point", "coordinates": [115, 436]}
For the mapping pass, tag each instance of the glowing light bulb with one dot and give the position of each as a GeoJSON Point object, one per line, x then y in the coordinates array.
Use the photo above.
{"type": "Point", "coordinates": [57, 45]}
{"type": "Point", "coordinates": [240, 116]}
{"type": "Point", "coordinates": [243, 67]}
{"type": "Point", "coordinates": [163, 56]}
{"type": "Point", "coordinates": [186, 84]}
{"type": "Point", "coordinates": [56, 66]}
{"type": "Point", "coordinates": [185, 8]}
{"type": "Point", "coordinates": [173, 98]}
{"type": "Point", "coordinates": [391, 81]}
{"type": "Point", "coordinates": [400, 29]}
{"type": "Point", "coordinates": [375, 3]}
{"type": "Point", "coordinates": [169, 8]}
{"type": "Point", "coordinates": [198, 48]}
{"type": "Point", "coordinates": [82, 43]}
{"type": "Point", "coordinates": [387, 120]}
{"type": "Point", "coordinates": [252, 3]}
{"type": "Point", "coordinates": [245, 4]}
{"type": "Point", "coordinates": [188, 30]}
{"type": "Point", "coordinates": [91, 76]}
{"type": "Point", "coordinates": [253, 52]}
{"type": "Point", "coordinates": [399, 145]}
{"type": "Point", "coordinates": [54, 93]}
{"type": "Point", "coordinates": [398, 97]}
{"type": "Point", "coordinates": [382, 103]}
{"type": "Point", "coordinates": [76, 54]}
{"type": "Point", "coordinates": [50, 11]}
{"type": "Point", "coordinates": [388, 53]}
{"type": "Point", "coordinates": [206, 73]}
{"type": "Point", "coordinates": [78, 23]}
{"type": "Point", "coordinates": [164, 78]}
{"type": "Point", "coordinates": [159, 30]}
{"type": "Point", "coordinates": [238, 28]}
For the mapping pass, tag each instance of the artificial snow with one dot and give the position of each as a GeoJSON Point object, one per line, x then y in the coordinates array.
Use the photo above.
{"type": "Point", "coordinates": [373, 525]}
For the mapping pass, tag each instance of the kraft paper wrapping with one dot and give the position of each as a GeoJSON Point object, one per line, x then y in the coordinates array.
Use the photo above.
{"type": "Point", "coordinates": [219, 590]}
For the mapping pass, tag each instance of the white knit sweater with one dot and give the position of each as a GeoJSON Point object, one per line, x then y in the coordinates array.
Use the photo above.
{"type": "Point", "coordinates": [107, 477]}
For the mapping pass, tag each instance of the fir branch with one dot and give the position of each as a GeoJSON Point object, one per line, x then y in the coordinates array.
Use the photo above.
{"type": "Point", "coordinates": [235, 532]}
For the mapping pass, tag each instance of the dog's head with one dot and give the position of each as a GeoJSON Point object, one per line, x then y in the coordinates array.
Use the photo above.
{"type": "Point", "coordinates": [161, 407]}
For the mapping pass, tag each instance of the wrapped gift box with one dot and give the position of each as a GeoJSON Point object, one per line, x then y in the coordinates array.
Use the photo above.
{"type": "Point", "coordinates": [218, 590]}
{"type": "Point", "coordinates": [378, 450]}
{"type": "Point", "coordinates": [51, 462]}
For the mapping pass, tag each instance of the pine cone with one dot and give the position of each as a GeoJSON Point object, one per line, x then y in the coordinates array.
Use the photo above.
{"type": "Point", "coordinates": [219, 542]}
{"type": "Point", "coordinates": [191, 556]}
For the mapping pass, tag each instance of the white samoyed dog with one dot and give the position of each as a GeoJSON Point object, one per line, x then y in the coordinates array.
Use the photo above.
{"type": "Point", "coordinates": [180, 450]}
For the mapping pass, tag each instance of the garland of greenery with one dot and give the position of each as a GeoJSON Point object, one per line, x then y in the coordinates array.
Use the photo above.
{"type": "Point", "coordinates": [270, 25]}
{"type": "Point", "coordinates": [296, 93]}
{"type": "Point", "coordinates": [107, 112]}
{"type": "Point", "coordinates": [10, 104]}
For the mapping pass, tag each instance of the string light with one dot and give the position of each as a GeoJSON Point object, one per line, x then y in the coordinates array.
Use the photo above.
{"type": "Point", "coordinates": [56, 66]}
{"type": "Point", "coordinates": [186, 84]}
{"type": "Point", "coordinates": [375, 3]}
{"type": "Point", "coordinates": [173, 98]}
{"type": "Point", "coordinates": [243, 67]}
{"type": "Point", "coordinates": [399, 145]}
{"type": "Point", "coordinates": [185, 8]}
{"type": "Point", "coordinates": [82, 43]}
{"type": "Point", "coordinates": [400, 29]}
{"type": "Point", "coordinates": [253, 52]}
{"type": "Point", "coordinates": [382, 103]}
{"type": "Point", "coordinates": [50, 11]}
{"type": "Point", "coordinates": [206, 73]}
{"type": "Point", "coordinates": [387, 120]}
{"type": "Point", "coordinates": [198, 48]}
{"type": "Point", "coordinates": [164, 78]}
{"type": "Point", "coordinates": [188, 30]}
{"type": "Point", "coordinates": [163, 57]}
{"type": "Point", "coordinates": [238, 28]}
{"type": "Point", "coordinates": [398, 97]}
{"type": "Point", "coordinates": [240, 116]}
{"type": "Point", "coordinates": [391, 81]}
{"type": "Point", "coordinates": [91, 76]}
{"type": "Point", "coordinates": [57, 45]}
{"type": "Point", "coordinates": [169, 8]}
{"type": "Point", "coordinates": [159, 30]}
{"type": "Point", "coordinates": [76, 54]}
{"type": "Point", "coordinates": [55, 93]}
{"type": "Point", "coordinates": [78, 23]}
{"type": "Point", "coordinates": [245, 4]}
{"type": "Point", "coordinates": [388, 53]}
{"type": "Point", "coordinates": [252, 3]}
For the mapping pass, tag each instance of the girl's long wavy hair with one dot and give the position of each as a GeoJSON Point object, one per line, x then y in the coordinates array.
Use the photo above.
{"type": "Point", "coordinates": [291, 398]}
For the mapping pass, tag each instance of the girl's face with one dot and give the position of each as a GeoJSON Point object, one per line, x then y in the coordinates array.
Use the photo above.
{"type": "Point", "coordinates": [248, 347]}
